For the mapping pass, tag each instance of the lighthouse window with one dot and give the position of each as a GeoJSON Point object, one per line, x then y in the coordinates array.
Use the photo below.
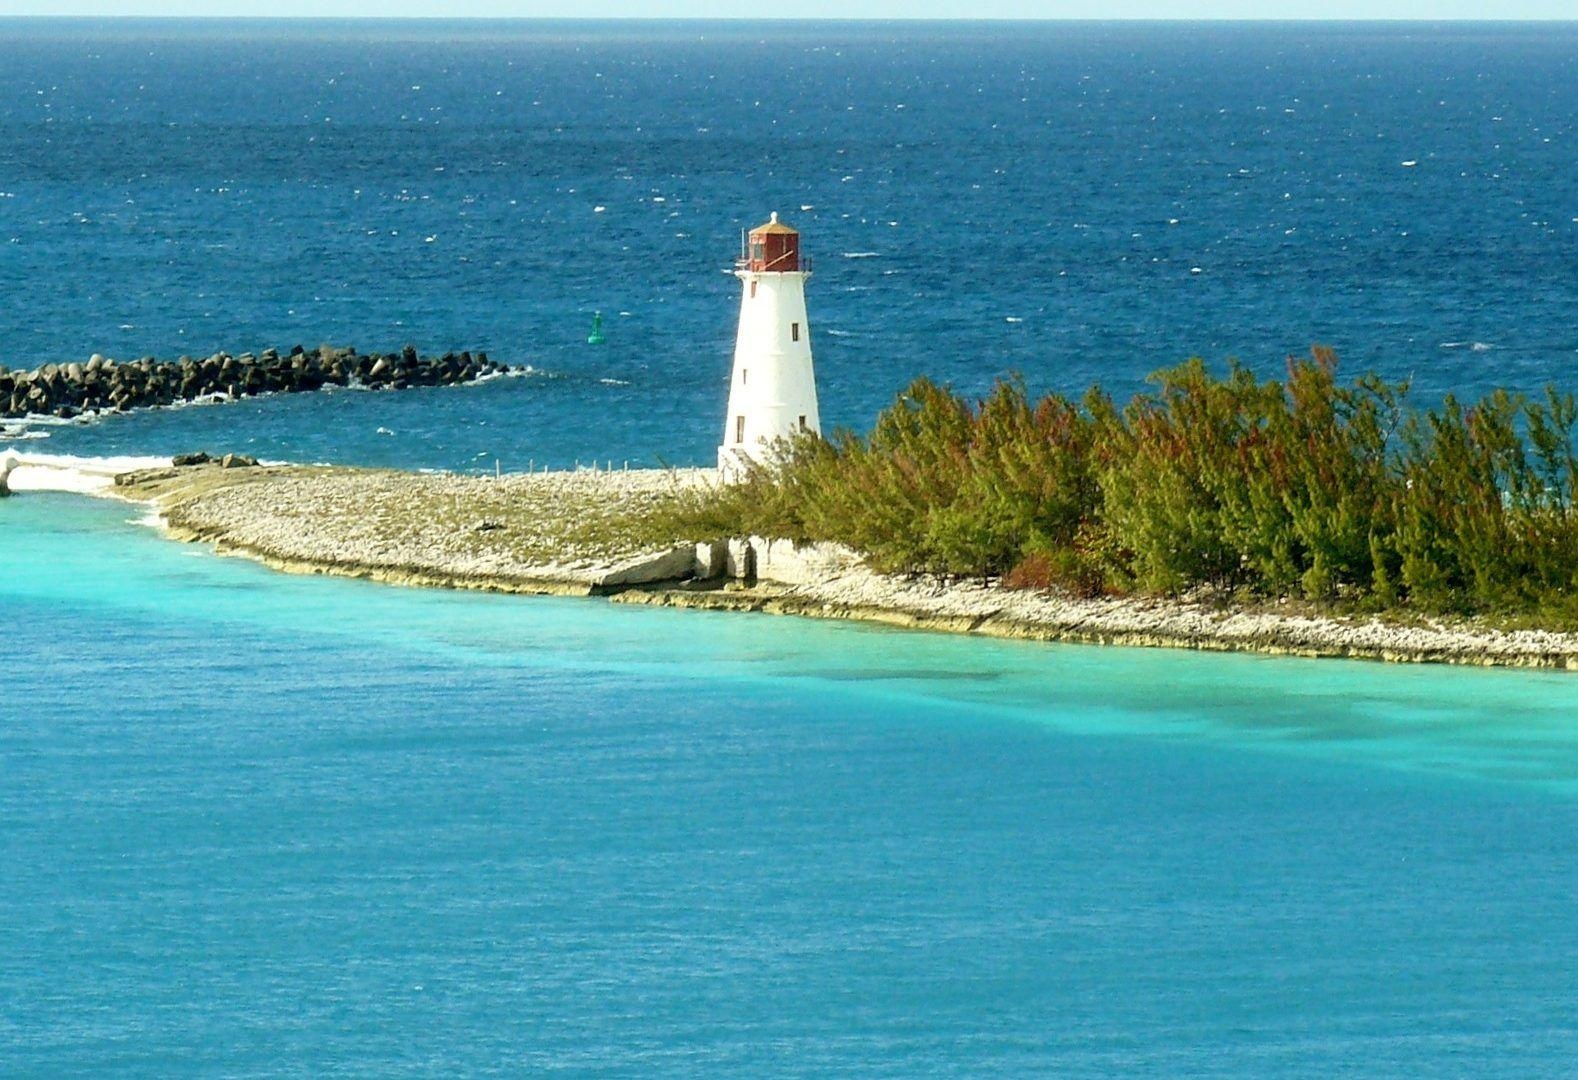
{"type": "Point", "coordinates": [802, 423]}
{"type": "Point", "coordinates": [739, 429]}
{"type": "Point", "coordinates": [794, 331]}
{"type": "Point", "coordinates": [745, 376]}
{"type": "Point", "coordinates": [753, 290]}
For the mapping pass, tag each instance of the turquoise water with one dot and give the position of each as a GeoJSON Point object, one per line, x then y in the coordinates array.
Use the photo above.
{"type": "Point", "coordinates": [265, 824]}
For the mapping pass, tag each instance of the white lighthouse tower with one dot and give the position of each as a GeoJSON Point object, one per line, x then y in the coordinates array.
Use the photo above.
{"type": "Point", "coordinates": [772, 391]}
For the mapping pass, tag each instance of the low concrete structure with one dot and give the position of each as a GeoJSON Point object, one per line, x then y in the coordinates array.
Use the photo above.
{"type": "Point", "coordinates": [784, 562]}
{"type": "Point", "coordinates": [712, 560]}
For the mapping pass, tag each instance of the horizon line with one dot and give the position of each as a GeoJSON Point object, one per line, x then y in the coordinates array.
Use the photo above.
{"type": "Point", "coordinates": [782, 20]}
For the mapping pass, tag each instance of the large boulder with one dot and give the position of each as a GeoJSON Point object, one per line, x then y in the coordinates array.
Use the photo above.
{"type": "Point", "coordinates": [675, 564]}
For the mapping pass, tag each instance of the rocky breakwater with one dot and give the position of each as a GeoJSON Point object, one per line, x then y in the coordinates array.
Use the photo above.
{"type": "Point", "coordinates": [99, 385]}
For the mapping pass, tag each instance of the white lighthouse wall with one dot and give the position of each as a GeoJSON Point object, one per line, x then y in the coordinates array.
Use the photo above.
{"type": "Point", "coordinates": [773, 383]}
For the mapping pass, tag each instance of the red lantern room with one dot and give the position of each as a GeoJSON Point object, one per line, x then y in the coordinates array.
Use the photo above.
{"type": "Point", "coordinates": [772, 248]}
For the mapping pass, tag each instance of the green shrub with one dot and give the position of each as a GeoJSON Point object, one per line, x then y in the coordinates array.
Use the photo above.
{"type": "Point", "coordinates": [1337, 494]}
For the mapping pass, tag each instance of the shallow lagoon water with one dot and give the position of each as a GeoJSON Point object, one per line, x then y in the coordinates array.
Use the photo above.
{"type": "Point", "coordinates": [259, 823]}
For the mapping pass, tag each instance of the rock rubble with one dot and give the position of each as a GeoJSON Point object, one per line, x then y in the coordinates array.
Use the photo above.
{"type": "Point", "coordinates": [100, 385]}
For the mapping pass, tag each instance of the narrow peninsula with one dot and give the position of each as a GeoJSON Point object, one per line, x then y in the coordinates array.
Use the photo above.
{"type": "Point", "coordinates": [611, 533]}
{"type": "Point", "coordinates": [1301, 517]}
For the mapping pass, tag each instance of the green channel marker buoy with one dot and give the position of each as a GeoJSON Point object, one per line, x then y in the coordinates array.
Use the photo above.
{"type": "Point", "coordinates": [596, 336]}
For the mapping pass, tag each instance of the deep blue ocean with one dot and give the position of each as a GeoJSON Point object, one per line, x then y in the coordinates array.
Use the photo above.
{"type": "Point", "coordinates": [258, 825]}
{"type": "Point", "coordinates": [1076, 203]}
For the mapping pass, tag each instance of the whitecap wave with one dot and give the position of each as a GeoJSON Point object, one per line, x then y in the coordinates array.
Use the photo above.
{"type": "Point", "coordinates": [862, 254]}
{"type": "Point", "coordinates": [149, 518]}
{"type": "Point", "coordinates": [70, 472]}
{"type": "Point", "coordinates": [206, 399]}
{"type": "Point", "coordinates": [1471, 346]}
{"type": "Point", "coordinates": [33, 420]}
{"type": "Point", "coordinates": [524, 372]}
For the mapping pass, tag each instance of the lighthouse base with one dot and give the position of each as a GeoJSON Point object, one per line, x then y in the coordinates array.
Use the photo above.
{"type": "Point", "coordinates": [734, 464]}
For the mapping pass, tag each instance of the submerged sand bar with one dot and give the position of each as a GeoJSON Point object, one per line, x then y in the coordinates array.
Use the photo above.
{"type": "Point", "coordinates": [569, 533]}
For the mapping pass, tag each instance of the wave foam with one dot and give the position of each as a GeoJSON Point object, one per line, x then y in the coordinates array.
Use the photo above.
{"type": "Point", "coordinates": [216, 398]}
{"type": "Point", "coordinates": [149, 518]}
{"type": "Point", "coordinates": [70, 472]}
{"type": "Point", "coordinates": [526, 371]}
{"type": "Point", "coordinates": [44, 420]}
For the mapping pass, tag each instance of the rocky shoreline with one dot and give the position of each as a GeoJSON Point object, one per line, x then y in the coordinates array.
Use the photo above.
{"type": "Point", "coordinates": [568, 533]}
{"type": "Point", "coordinates": [989, 611]}
{"type": "Point", "coordinates": [100, 385]}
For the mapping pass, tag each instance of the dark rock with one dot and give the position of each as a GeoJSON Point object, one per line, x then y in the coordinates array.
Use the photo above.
{"type": "Point", "coordinates": [102, 384]}
{"type": "Point", "coordinates": [181, 461]}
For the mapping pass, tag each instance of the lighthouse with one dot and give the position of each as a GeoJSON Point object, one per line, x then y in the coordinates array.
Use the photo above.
{"type": "Point", "coordinates": [772, 390]}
